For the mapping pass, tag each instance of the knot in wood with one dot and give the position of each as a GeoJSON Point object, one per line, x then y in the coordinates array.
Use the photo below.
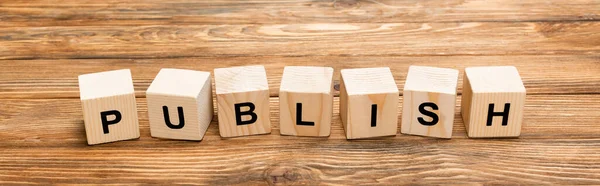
{"type": "Point", "coordinates": [346, 4]}
{"type": "Point", "coordinates": [290, 175]}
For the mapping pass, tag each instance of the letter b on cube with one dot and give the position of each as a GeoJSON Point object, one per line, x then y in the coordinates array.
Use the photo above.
{"type": "Point", "coordinates": [242, 101]}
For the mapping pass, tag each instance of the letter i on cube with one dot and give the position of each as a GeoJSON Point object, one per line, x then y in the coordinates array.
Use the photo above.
{"type": "Point", "coordinates": [368, 102]}
{"type": "Point", "coordinates": [429, 101]}
{"type": "Point", "coordinates": [493, 101]}
{"type": "Point", "coordinates": [109, 108]}
{"type": "Point", "coordinates": [242, 101]}
{"type": "Point", "coordinates": [306, 101]}
{"type": "Point", "coordinates": [180, 104]}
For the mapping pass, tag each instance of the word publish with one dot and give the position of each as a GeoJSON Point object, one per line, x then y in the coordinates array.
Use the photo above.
{"type": "Point", "coordinates": [180, 102]}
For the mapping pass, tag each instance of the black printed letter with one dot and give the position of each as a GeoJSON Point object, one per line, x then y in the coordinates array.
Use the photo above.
{"type": "Point", "coordinates": [433, 116]}
{"type": "Point", "coordinates": [168, 121]}
{"type": "Point", "coordinates": [504, 114]}
{"type": "Point", "coordinates": [373, 115]}
{"type": "Point", "coordinates": [299, 116]}
{"type": "Point", "coordinates": [105, 122]}
{"type": "Point", "coordinates": [239, 113]}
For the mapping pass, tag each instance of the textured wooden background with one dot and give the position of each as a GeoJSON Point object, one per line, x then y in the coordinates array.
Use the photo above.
{"type": "Point", "coordinates": [45, 45]}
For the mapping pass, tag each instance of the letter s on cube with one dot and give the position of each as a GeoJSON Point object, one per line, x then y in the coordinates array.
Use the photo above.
{"type": "Point", "coordinates": [242, 101]}
{"type": "Point", "coordinates": [429, 101]}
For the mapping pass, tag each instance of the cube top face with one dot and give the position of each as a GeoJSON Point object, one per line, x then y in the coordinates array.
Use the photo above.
{"type": "Point", "coordinates": [240, 79]}
{"type": "Point", "coordinates": [362, 81]}
{"type": "Point", "coordinates": [431, 79]}
{"type": "Point", "coordinates": [105, 84]}
{"type": "Point", "coordinates": [306, 79]}
{"type": "Point", "coordinates": [179, 82]}
{"type": "Point", "coordinates": [494, 79]}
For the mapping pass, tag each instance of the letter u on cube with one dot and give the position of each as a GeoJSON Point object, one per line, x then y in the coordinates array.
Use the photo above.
{"type": "Point", "coordinates": [180, 104]}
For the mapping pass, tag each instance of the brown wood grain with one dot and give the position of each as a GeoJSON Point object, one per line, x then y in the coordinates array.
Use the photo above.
{"type": "Point", "coordinates": [544, 74]}
{"type": "Point", "coordinates": [45, 45]}
{"type": "Point", "coordinates": [192, 12]}
{"type": "Point", "coordinates": [48, 146]}
{"type": "Point", "coordinates": [315, 39]}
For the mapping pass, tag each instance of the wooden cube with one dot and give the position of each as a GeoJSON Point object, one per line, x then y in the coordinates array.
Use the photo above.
{"type": "Point", "coordinates": [243, 101]}
{"type": "Point", "coordinates": [180, 104]}
{"type": "Point", "coordinates": [306, 101]}
{"type": "Point", "coordinates": [109, 108]}
{"type": "Point", "coordinates": [492, 102]}
{"type": "Point", "coordinates": [368, 102]}
{"type": "Point", "coordinates": [429, 101]}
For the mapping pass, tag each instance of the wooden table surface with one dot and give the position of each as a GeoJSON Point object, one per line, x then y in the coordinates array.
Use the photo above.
{"type": "Point", "coordinates": [45, 45]}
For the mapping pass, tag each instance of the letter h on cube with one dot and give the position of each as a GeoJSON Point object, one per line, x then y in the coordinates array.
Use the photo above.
{"type": "Point", "coordinates": [493, 101]}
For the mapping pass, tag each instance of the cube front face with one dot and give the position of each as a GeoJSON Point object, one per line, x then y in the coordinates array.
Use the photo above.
{"type": "Point", "coordinates": [169, 124]}
{"type": "Point", "coordinates": [477, 125]}
{"type": "Point", "coordinates": [372, 115]}
{"type": "Point", "coordinates": [428, 113]}
{"type": "Point", "coordinates": [244, 113]}
{"type": "Point", "coordinates": [110, 119]}
{"type": "Point", "coordinates": [315, 116]}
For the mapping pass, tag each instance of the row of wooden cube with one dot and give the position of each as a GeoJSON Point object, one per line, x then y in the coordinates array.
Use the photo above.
{"type": "Point", "coordinates": [180, 102]}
